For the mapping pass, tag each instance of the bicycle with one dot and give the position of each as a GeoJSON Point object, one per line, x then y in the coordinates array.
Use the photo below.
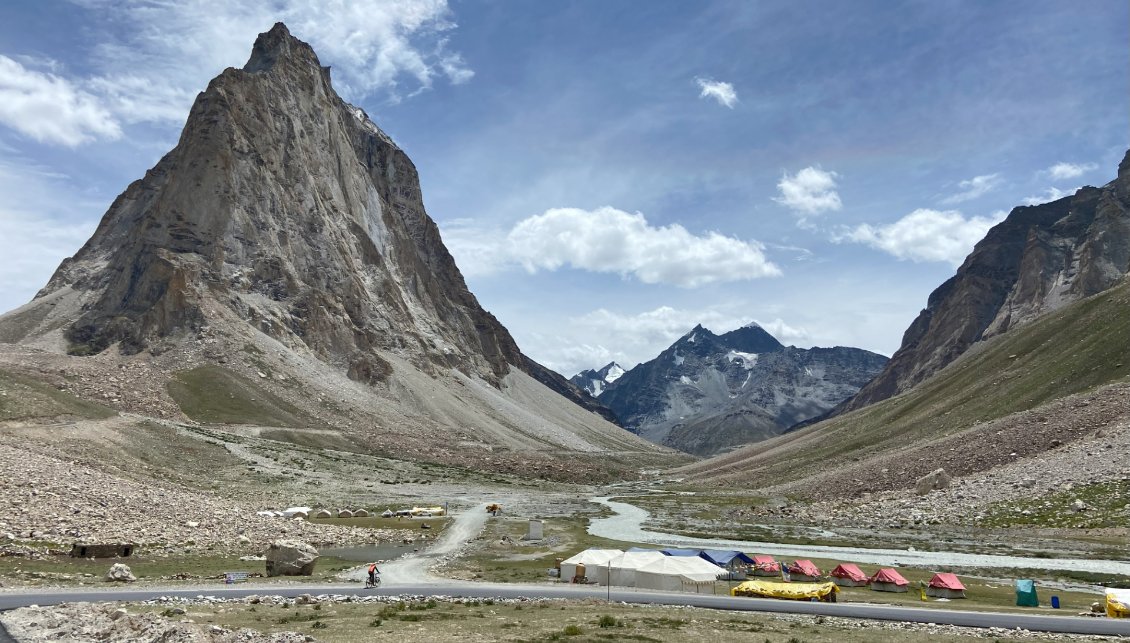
{"type": "Point", "coordinates": [375, 582]}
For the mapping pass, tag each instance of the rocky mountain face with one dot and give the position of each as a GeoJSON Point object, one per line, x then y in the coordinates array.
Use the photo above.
{"type": "Point", "coordinates": [1037, 260]}
{"type": "Point", "coordinates": [286, 224]}
{"type": "Point", "coordinates": [707, 392]}
{"type": "Point", "coordinates": [594, 382]}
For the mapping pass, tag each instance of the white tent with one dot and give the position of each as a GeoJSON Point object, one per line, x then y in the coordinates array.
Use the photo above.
{"type": "Point", "coordinates": [590, 558]}
{"type": "Point", "coordinates": [623, 568]}
{"type": "Point", "coordinates": [679, 573]}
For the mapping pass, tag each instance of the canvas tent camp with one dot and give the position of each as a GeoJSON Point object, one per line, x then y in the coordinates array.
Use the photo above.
{"type": "Point", "coordinates": [1026, 593]}
{"type": "Point", "coordinates": [764, 565]}
{"type": "Point", "coordinates": [589, 558]}
{"type": "Point", "coordinates": [804, 571]}
{"type": "Point", "coordinates": [945, 586]}
{"type": "Point", "coordinates": [679, 573]}
{"type": "Point", "coordinates": [621, 570]}
{"type": "Point", "coordinates": [848, 575]}
{"type": "Point", "coordinates": [733, 560]}
{"type": "Point", "coordinates": [888, 580]}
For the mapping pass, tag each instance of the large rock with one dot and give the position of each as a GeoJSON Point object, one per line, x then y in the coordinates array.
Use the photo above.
{"type": "Point", "coordinates": [291, 558]}
{"type": "Point", "coordinates": [120, 573]}
{"type": "Point", "coordinates": [936, 479]}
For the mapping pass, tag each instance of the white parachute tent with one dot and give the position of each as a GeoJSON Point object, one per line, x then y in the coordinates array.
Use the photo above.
{"type": "Point", "coordinates": [590, 558]}
{"type": "Point", "coordinates": [679, 573]}
{"type": "Point", "coordinates": [623, 568]}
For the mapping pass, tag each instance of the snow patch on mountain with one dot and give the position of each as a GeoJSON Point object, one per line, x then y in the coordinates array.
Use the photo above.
{"type": "Point", "coordinates": [748, 360]}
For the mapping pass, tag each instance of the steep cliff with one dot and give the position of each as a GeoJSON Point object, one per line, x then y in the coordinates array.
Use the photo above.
{"type": "Point", "coordinates": [1037, 260]}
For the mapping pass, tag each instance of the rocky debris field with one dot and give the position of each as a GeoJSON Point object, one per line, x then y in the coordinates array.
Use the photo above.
{"type": "Point", "coordinates": [43, 499]}
{"type": "Point", "coordinates": [113, 623]}
{"type": "Point", "coordinates": [1101, 457]}
{"type": "Point", "coordinates": [1071, 443]}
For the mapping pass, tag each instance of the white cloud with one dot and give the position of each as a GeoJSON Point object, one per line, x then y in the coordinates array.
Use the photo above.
{"type": "Point", "coordinates": [808, 192]}
{"type": "Point", "coordinates": [722, 92]}
{"type": "Point", "coordinates": [611, 240]}
{"type": "Point", "coordinates": [479, 249]}
{"type": "Point", "coordinates": [927, 235]}
{"type": "Point", "coordinates": [1049, 195]}
{"type": "Point", "coordinates": [1061, 171]}
{"type": "Point", "coordinates": [43, 220]}
{"type": "Point", "coordinates": [152, 58]}
{"type": "Point", "coordinates": [974, 188]}
{"type": "Point", "coordinates": [50, 108]}
{"type": "Point", "coordinates": [601, 336]}
{"type": "Point", "coordinates": [785, 333]}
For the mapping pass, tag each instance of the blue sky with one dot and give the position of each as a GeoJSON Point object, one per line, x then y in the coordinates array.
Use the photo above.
{"type": "Point", "coordinates": [610, 173]}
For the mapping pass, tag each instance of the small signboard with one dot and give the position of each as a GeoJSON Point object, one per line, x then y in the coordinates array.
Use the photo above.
{"type": "Point", "coordinates": [231, 578]}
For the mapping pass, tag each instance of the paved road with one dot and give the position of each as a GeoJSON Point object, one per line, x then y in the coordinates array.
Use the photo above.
{"type": "Point", "coordinates": [1063, 624]}
{"type": "Point", "coordinates": [409, 576]}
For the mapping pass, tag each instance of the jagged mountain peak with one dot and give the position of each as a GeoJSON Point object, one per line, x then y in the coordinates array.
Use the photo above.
{"type": "Point", "coordinates": [277, 45]}
{"type": "Point", "coordinates": [751, 339]}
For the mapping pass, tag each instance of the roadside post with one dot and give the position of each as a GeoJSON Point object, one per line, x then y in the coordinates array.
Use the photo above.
{"type": "Point", "coordinates": [608, 582]}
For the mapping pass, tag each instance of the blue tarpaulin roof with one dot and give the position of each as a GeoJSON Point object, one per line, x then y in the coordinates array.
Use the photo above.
{"type": "Point", "coordinates": [724, 558]}
{"type": "Point", "coordinates": [681, 552]}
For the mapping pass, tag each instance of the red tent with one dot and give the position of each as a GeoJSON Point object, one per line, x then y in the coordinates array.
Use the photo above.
{"type": "Point", "coordinates": [945, 586]}
{"type": "Point", "coordinates": [946, 581]}
{"type": "Point", "coordinates": [889, 575]}
{"type": "Point", "coordinates": [888, 580]}
{"type": "Point", "coordinates": [804, 568]}
{"type": "Point", "coordinates": [764, 565]}
{"type": "Point", "coordinates": [849, 571]}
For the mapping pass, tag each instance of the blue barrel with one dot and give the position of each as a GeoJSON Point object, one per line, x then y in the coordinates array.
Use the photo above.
{"type": "Point", "coordinates": [1055, 602]}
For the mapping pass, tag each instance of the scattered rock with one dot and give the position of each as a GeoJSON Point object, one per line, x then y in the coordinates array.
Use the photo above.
{"type": "Point", "coordinates": [291, 558]}
{"type": "Point", "coordinates": [936, 479]}
{"type": "Point", "coordinates": [120, 573]}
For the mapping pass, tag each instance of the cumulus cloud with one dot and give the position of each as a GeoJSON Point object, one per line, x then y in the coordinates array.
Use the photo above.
{"type": "Point", "coordinates": [785, 333]}
{"type": "Point", "coordinates": [927, 235]}
{"type": "Point", "coordinates": [1061, 171]}
{"type": "Point", "coordinates": [722, 92]}
{"type": "Point", "coordinates": [1049, 195]}
{"type": "Point", "coordinates": [51, 109]}
{"type": "Point", "coordinates": [614, 241]}
{"type": "Point", "coordinates": [151, 59]}
{"type": "Point", "coordinates": [974, 188]}
{"type": "Point", "coordinates": [809, 192]}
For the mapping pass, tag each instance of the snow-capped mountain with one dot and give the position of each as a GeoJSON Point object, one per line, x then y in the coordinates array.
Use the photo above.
{"type": "Point", "coordinates": [707, 393]}
{"type": "Point", "coordinates": [596, 381]}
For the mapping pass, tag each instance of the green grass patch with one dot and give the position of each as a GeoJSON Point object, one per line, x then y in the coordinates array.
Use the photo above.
{"type": "Point", "coordinates": [24, 398]}
{"type": "Point", "coordinates": [216, 395]}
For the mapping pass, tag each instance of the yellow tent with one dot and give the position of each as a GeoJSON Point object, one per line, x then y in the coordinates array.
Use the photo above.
{"type": "Point", "coordinates": [1118, 603]}
{"type": "Point", "coordinates": [793, 591]}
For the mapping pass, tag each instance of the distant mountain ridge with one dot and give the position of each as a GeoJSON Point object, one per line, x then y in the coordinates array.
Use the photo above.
{"type": "Point", "coordinates": [1039, 259]}
{"type": "Point", "coordinates": [707, 393]}
{"type": "Point", "coordinates": [594, 382]}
